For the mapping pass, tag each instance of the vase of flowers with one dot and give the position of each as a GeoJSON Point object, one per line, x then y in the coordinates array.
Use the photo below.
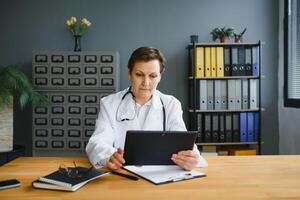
{"type": "Point", "coordinates": [78, 29]}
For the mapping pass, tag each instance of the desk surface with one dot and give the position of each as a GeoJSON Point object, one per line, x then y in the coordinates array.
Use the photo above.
{"type": "Point", "coordinates": [228, 177]}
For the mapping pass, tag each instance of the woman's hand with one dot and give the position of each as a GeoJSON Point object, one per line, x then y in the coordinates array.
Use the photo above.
{"type": "Point", "coordinates": [116, 161]}
{"type": "Point", "coordinates": [188, 160]}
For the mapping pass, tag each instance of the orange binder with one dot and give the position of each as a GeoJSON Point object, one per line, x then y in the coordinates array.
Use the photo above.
{"type": "Point", "coordinates": [242, 152]}
{"type": "Point", "coordinates": [207, 62]}
{"type": "Point", "coordinates": [220, 61]}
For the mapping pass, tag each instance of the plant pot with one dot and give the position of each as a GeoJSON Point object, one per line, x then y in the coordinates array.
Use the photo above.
{"type": "Point", "coordinates": [6, 128]}
{"type": "Point", "coordinates": [237, 39]}
{"type": "Point", "coordinates": [224, 39]}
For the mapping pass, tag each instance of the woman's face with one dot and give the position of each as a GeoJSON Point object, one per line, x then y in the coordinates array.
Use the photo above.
{"type": "Point", "coordinates": [144, 78]}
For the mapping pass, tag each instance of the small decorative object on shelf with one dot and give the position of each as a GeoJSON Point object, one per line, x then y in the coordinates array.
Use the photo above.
{"type": "Point", "coordinates": [78, 30]}
{"type": "Point", "coordinates": [223, 34]}
{"type": "Point", "coordinates": [238, 37]}
{"type": "Point", "coordinates": [194, 38]}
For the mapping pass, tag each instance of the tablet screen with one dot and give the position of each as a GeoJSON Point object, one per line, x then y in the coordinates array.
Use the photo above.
{"type": "Point", "coordinates": [156, 147]}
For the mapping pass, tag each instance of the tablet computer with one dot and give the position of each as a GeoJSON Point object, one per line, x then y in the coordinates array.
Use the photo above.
{"type": "Point", "coordinates": [156, 147]}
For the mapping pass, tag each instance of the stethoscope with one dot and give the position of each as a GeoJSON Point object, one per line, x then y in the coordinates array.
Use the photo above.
{"type": "Point", "coordinates": [129, 119]}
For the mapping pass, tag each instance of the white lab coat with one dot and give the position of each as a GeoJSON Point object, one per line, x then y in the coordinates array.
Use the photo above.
{"type": "Point", "coordinates": [110, 131]}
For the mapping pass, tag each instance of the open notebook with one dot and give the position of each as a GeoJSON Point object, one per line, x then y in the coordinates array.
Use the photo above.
{"type": "Point", "coordinates": [160, 174]}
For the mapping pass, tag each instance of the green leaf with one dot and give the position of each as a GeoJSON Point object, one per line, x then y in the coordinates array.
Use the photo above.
{"type": "Point", "coordinates": [13, 82]}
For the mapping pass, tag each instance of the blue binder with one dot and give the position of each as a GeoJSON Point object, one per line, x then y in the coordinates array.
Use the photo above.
{"type": "Point", "coordinates": [250, 130]}
{"type": "Point", "coordinates": [243, 128]}
{"type": "Point", "coordinates": [256, 126]}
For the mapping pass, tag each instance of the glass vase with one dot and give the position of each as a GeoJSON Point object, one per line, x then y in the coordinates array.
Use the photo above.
{"type": "Point", "coordinates": [77, 42]}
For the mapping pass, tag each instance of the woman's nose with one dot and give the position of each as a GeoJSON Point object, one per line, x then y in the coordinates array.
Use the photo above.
{"type": "Point", "coordinates": [146, 81]}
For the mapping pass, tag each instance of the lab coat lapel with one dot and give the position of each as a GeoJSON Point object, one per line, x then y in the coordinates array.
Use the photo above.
{"type": "Point", "coordinates": [154, 119]}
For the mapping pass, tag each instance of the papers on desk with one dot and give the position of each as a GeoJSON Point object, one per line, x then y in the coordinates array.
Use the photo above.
{"type": "Point", "coordinates": [160, 174]}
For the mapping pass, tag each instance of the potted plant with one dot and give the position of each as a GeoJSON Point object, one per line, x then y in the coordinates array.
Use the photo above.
{"type": "Point", "coordinates": [14, 83]}
{"type": "Point", "coordinates": [223, 34]}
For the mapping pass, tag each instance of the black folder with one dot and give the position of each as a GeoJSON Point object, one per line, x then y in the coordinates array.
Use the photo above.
{"type": "Point", "coordinates": [228, 127]}
{"type": "Point", "coordinates": [248, 61]}
{"type": "Point", "coordinates": [236, 127]}
{"type": "Point", "coordinates": [241, 61]}
{"type": "Point", "coordinates": [207, 128]}
{"type": "Point", "coordinates": [200, 128]}
{"type": "Point", "coordinates": [156, 147]}
{"type": "Point", "coordinates": [227, 61]}
{"type": "Point", "coordinates": [234, 61]}
{"type": "Point", "coordinates": [222, 127]}
{"type": "Point", "coordinates": [215, 127]}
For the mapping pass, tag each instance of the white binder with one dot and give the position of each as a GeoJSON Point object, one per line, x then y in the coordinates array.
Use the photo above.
{"type": "Point", "coordinates": [210, 95]}
{"type": "Point", "coordinates": [245, 93]}
{"type": "Point", "coordinates": [218, 95]}
{"type": "Point", "coordinates": [254, 94]}
{"type": "Point", "coordinates": [203, 94]}
{"type": "Point", "coordinates": [231, 94]}
{"type": "Point", "coordinates": [238, 94]}
{"type": "Point", "coordinates": [224, 100]}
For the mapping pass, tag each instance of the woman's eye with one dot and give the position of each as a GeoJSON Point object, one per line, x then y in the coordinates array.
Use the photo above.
{"type": "Point", "coordinates": [153, 76]}
{"type": "Point", "coordinates": [139, 75]}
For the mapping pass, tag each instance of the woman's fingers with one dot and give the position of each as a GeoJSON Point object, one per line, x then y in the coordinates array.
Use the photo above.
{"type": "Point", "coordinates": [186, 159]}
{"type": "Point", "coordinates": [116, 161]}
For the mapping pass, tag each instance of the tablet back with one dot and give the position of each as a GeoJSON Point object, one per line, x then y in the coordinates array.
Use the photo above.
{"type": "Point", "coordinates": [156, 147]}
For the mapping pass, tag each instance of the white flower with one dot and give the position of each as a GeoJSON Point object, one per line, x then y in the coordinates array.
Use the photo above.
{"type": "Point", "coordinates": [78, 29]}
{"type": "Point", "coordinates": [86, 22]}
{"type": "Point", "coordinates": [73, 20]}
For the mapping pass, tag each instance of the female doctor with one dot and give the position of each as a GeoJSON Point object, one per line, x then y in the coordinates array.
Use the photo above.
{"type": "Point", "coordinates": [139, 107]}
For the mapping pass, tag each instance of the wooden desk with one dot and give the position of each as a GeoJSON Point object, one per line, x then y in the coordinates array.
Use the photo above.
{"type": "Point", "coordinates": [230, 177]}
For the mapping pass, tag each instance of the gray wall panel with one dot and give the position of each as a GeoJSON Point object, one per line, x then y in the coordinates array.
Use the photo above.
{"type": "Point", "coordinates": [125, 25]}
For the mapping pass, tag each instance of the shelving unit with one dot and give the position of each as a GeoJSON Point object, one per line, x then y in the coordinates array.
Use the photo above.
{"type": "Point", "coordinates": [225, 94]}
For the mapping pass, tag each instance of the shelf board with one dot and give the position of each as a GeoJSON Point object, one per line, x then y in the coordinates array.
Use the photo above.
{"type": "Point", "coordinates": [224, 77]}
{"type": "Point", "coordinates": [214, 111]}
{"type": "Point", "coordinates": [226, 143]}
{"type": "Point", "coordinates": [212, 44]}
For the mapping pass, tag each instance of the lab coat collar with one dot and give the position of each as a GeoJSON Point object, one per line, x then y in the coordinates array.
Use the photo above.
{"type": "Point", "coordinates": [128, 108]}
{"type": "Point", "coordinates": [155, 100]}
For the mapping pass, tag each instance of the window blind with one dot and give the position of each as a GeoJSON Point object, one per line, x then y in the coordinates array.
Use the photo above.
{"type": "Point", "coordinates": [293, 50]}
